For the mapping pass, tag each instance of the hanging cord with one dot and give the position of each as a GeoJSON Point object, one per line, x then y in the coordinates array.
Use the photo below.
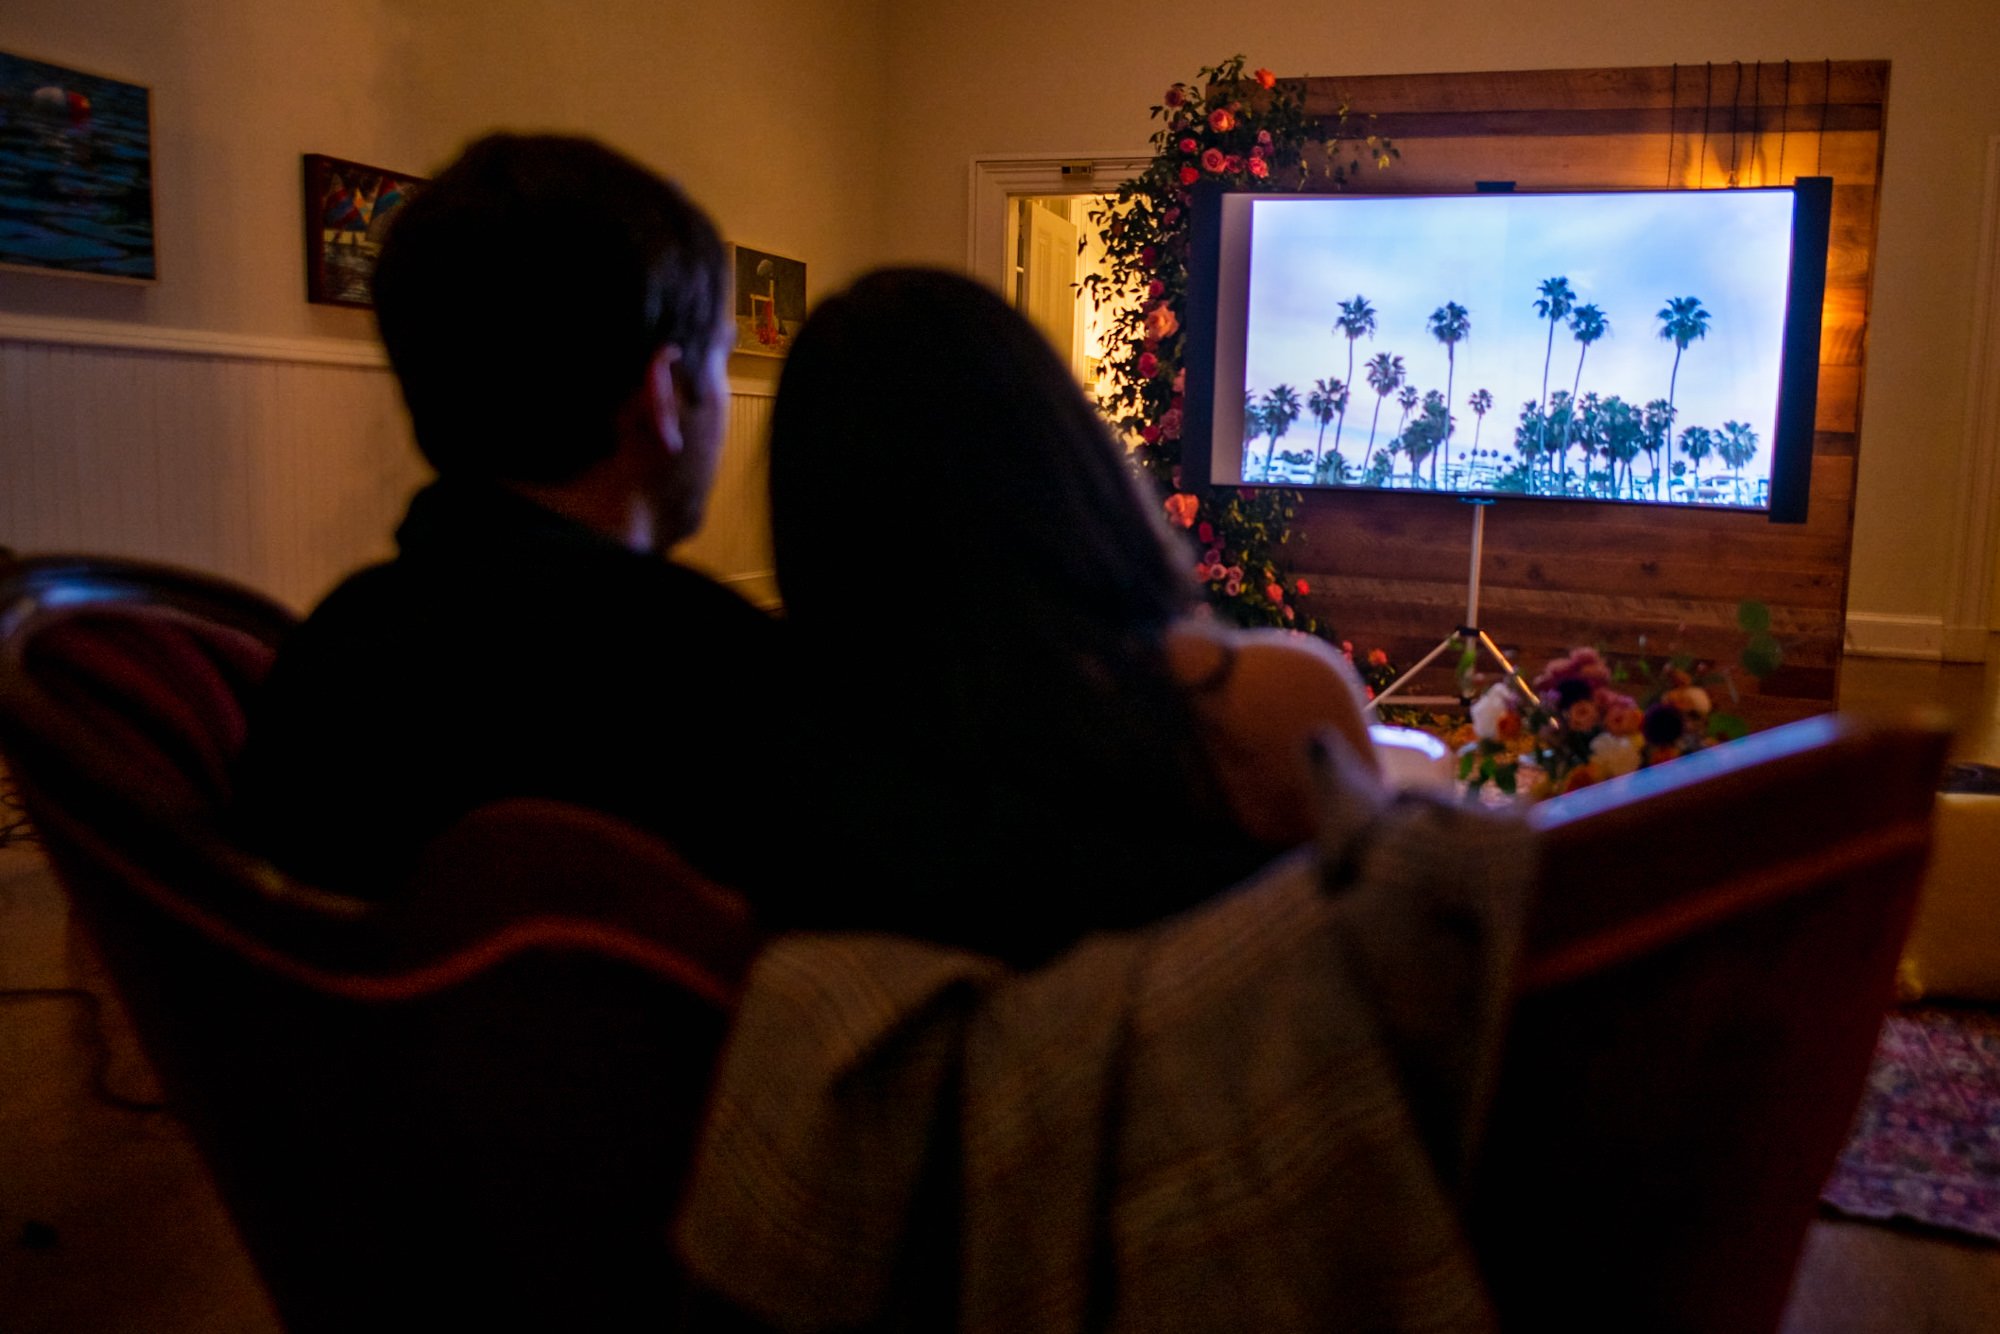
{"type": "Point", "coordinates": [100, 1050]}
{"type": "Point", "coordinates": [1757, 119]}
{"type": "Point", "coordinates": [1735, 105]}
{"type": "Point", "coordinates": [1784, 122]}
{"type": "Point", "coordinates": [1707, 101]}
{"type": "Point", "coordinates": [1673, 118]}
{"type": "Point", "coordinates": [1825, 99]}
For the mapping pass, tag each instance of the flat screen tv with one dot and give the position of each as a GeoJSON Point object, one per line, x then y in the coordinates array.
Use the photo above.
{"type": "Point", "coordinates": [1656, 347]}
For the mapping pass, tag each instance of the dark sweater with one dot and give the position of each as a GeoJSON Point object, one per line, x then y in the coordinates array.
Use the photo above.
{"type": "Point", "coordinates": [507, 652]}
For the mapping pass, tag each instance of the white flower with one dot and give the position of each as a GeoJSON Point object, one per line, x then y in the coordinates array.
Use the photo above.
{"type": "Point", "coordinates": [1489, 709]}
{"type": "Point", "coordinates": [1615, 755]}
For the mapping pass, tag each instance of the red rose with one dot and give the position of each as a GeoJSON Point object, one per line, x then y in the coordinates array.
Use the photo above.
{"type": "Point", "coordinates": [1173, 215]}
{"type": "Point", "coordinates": [1189, 175]}
{"type": "Point", "coordinates": [1181, 509]}
{"type": "Point", "coordinates": [1258, 168]}
{"type": "Point", "coordinates": [1212, 160]}
{"type": "Point", "coordinates": [1206, 532]}
{"type": "Point", "coordinates": [1232, 164]}
{"type": "Point", "coordinates": [1156, 288]}
{"type": "Point", "coordinates": [1170, 424]}
{"type": "Point", "coordinates": [1263, 138]}
{"type": "Point", "coordinates": [1266, 78]}
{"type": "Point", "coordinates": [1150, 434]}
{"type": "Point", "coordinates": [1149, 365]}
{"type": "Point", "coordinates": [1274, 592]}
{"type": "Point", "coordinates": [1378, 657]}
{"type": "Point", "coordinates": [1189, 145]}
{"type": "Point", "coordinates": [1302, 587]}
{"type": "Point", "coordinates": [1175, 95]}
{"type": "Point", "coordinates": [1221, 120]}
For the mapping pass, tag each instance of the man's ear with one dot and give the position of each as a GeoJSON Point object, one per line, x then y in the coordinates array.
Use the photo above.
{"type": "Point", "coordinates": [664, 396]}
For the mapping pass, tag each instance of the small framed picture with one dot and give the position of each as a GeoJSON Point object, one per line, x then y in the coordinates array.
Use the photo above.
{"type": "Point", "coordinates": [76, 172]}
{"type": "Point", "coordinates": [770, 302]}
{"type": "Point", "coordinates": [347, 208]}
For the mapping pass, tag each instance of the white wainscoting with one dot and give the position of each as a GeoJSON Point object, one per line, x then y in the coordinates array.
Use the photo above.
{"type": "Point", "coordinates": [279, 473]}
{"type": "Point", "coordinates": [282, 465]}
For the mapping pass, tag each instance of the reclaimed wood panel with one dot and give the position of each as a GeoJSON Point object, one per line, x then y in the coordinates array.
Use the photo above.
{"type": "Point", "coordinates": [1389, 570]}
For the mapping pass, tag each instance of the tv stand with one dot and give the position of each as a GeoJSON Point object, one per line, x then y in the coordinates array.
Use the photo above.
{"type": "Point", "coordinates": [1467, 637]}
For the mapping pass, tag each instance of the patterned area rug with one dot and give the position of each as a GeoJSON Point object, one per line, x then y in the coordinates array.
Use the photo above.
{"type": "Point", "coordinates": [1926, 1143]}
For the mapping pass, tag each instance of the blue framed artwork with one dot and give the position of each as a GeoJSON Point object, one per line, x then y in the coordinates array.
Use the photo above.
{"type": "Point", "coordinates": [76, 172]}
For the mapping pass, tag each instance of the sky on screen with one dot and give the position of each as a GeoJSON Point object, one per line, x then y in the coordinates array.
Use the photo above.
{"type": "Point", "coordinates": [1627, 253]}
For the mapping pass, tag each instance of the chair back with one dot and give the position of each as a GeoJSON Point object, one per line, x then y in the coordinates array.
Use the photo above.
{"type": "Point", "coordinates": [1708, 963]}
{"type": "Point", "coordinates": [468, 1103]}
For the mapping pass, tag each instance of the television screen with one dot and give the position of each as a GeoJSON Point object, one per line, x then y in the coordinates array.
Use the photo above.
{"type": "Point", "coordinates": [1656, 347]}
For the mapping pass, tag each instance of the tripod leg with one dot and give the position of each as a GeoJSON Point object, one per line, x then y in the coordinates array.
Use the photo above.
{"type": "Point", "coordinates": [1404, 679]}
{"type": "Point", "coordinates": [1520, 682]}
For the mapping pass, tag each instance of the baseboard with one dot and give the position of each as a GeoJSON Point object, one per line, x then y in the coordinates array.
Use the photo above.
{"type": "Point", "coordinates": [1881, 635]}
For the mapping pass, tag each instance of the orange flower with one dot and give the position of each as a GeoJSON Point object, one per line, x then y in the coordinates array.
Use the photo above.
{"type": "Point", "coordinates": [1266, 78]}
{"type": "Point", "coordinates": [1579, 778]}
{"type": "Point", "coordinates": [1181, 509]}
{"type": "Point", "coordinates": [1222, 120]}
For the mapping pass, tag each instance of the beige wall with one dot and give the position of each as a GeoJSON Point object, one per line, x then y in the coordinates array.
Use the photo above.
{"type": "Point", "coordinates": [801, 123]}
{"type": "Point", "coordinates": [1045, 76]}
{"type": "Point", "coordinates": [761, 108]}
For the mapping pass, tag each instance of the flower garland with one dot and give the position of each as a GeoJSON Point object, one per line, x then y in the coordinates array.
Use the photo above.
{"type": "Point", "coordinates": [1242, 133]}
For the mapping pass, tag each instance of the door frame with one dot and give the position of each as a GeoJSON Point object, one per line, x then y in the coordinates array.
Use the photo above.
{"type": "Point", "coordinates": [1970, 611]}
{"type": "Point", "coordinates": [995, 182]}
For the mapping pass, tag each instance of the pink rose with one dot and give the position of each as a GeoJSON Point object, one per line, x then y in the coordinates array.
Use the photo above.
{"type": "Point", "coordinates": [1212, 160]}
{"type": "Point", "coordinates": [1214, 554]}
{"type": "Point", "coordinates": [1263, 138]}
{"type": "Point", "coordinates": [1189, 145]}
{"type": "Point", "coordinates": [1258, 168]}
{"type": "Point", "coordinates": [1233, 587]}
{"type": "Point", "coordinates": [1149, 365]}
{"type": "Point", "coordinates": [1170, 424]}
{"type": "Point", "coordinates": [1180, 381]}
{"type": "Point", "coordinates": [1235, 573]}
{"type": "Point", "coordinates": [1257, 151]}
{"type": "Point", "coordinates": [1161, 322]}
{"type": "Point", "coordinates": [1221, 120]}
{"type": "Point", "coordinates": [1232, 164]}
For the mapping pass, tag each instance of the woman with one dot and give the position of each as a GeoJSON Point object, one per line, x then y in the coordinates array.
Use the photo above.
{"type": "Point", "coordinates": [1027, 733]}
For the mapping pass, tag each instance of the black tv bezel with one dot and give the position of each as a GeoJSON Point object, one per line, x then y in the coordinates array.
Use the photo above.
{"type": "Point", "coordinates": [1798, 373]}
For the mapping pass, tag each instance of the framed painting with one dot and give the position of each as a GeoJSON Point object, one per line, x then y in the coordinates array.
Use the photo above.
{"type": "Point", "coordinates": [770, 301]}
{"type": "Point", "coordinates": [348, 206]}
{"type": "Point", "coordinates": [76, 172]}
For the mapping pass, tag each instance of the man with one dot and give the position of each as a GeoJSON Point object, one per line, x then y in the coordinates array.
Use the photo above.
{"type": "Point", "coordinates": [558, 318]}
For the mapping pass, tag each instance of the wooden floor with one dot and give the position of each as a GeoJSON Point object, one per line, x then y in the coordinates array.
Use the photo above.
{"type": "Point", "coordinates": [108, 1223]}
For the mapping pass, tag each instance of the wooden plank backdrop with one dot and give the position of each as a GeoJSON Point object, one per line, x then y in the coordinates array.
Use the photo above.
{"type": "Point", "coordinates": [1389, 570]}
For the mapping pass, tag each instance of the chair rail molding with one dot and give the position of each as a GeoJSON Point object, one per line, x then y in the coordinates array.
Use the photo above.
{"type": "Point", "coordinates": [1975, 544]}
{"type": "Point", "coordinates": [994, 182]}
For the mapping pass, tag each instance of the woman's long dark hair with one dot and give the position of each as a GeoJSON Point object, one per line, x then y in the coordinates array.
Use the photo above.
{"type": "Point", "coordinates": [982, 592]}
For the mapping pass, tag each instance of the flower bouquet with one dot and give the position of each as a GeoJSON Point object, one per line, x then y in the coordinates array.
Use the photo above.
{"type": "Point", "coordinates": [1581, 727]}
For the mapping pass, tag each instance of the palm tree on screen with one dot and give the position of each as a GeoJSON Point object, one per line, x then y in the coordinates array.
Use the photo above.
{"type": "Point", "coordinates": [1697, 442]}
{"type": "Point", "coordinates": [1280, 409]}
{"type": "Point", "coordinates": [1385, 374]}
{"type": "Point", "coordinates": [1553, 305]}
{"type": "Point", "coordinates": [1658, 426]}
{"type": "Point", "coordinates": [1481, 403]}
{"type": "Point", "coordinates": [1327, 400]}
{"type": "Point", "coordinates": [1407, 398]}
{"type": "Point", "coordinates": [1682, 321]}
{"type": "Point", "coordinates": [1621, 427]}
{"type": "Point", "coordinates": [1587, 324]}
{"type": "Point", "coordinates": [1253, 426]}
{"type": "Point", "coordinates": [1357, 318]}
{"type": "Point", "coordinates": [1736, 447]}
{"type": "Point", "coordinates": [1450, 324]}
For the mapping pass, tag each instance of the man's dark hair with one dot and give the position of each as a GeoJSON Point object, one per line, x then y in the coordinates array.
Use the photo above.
{"type": "Point", "coordinates": [523, 293]}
